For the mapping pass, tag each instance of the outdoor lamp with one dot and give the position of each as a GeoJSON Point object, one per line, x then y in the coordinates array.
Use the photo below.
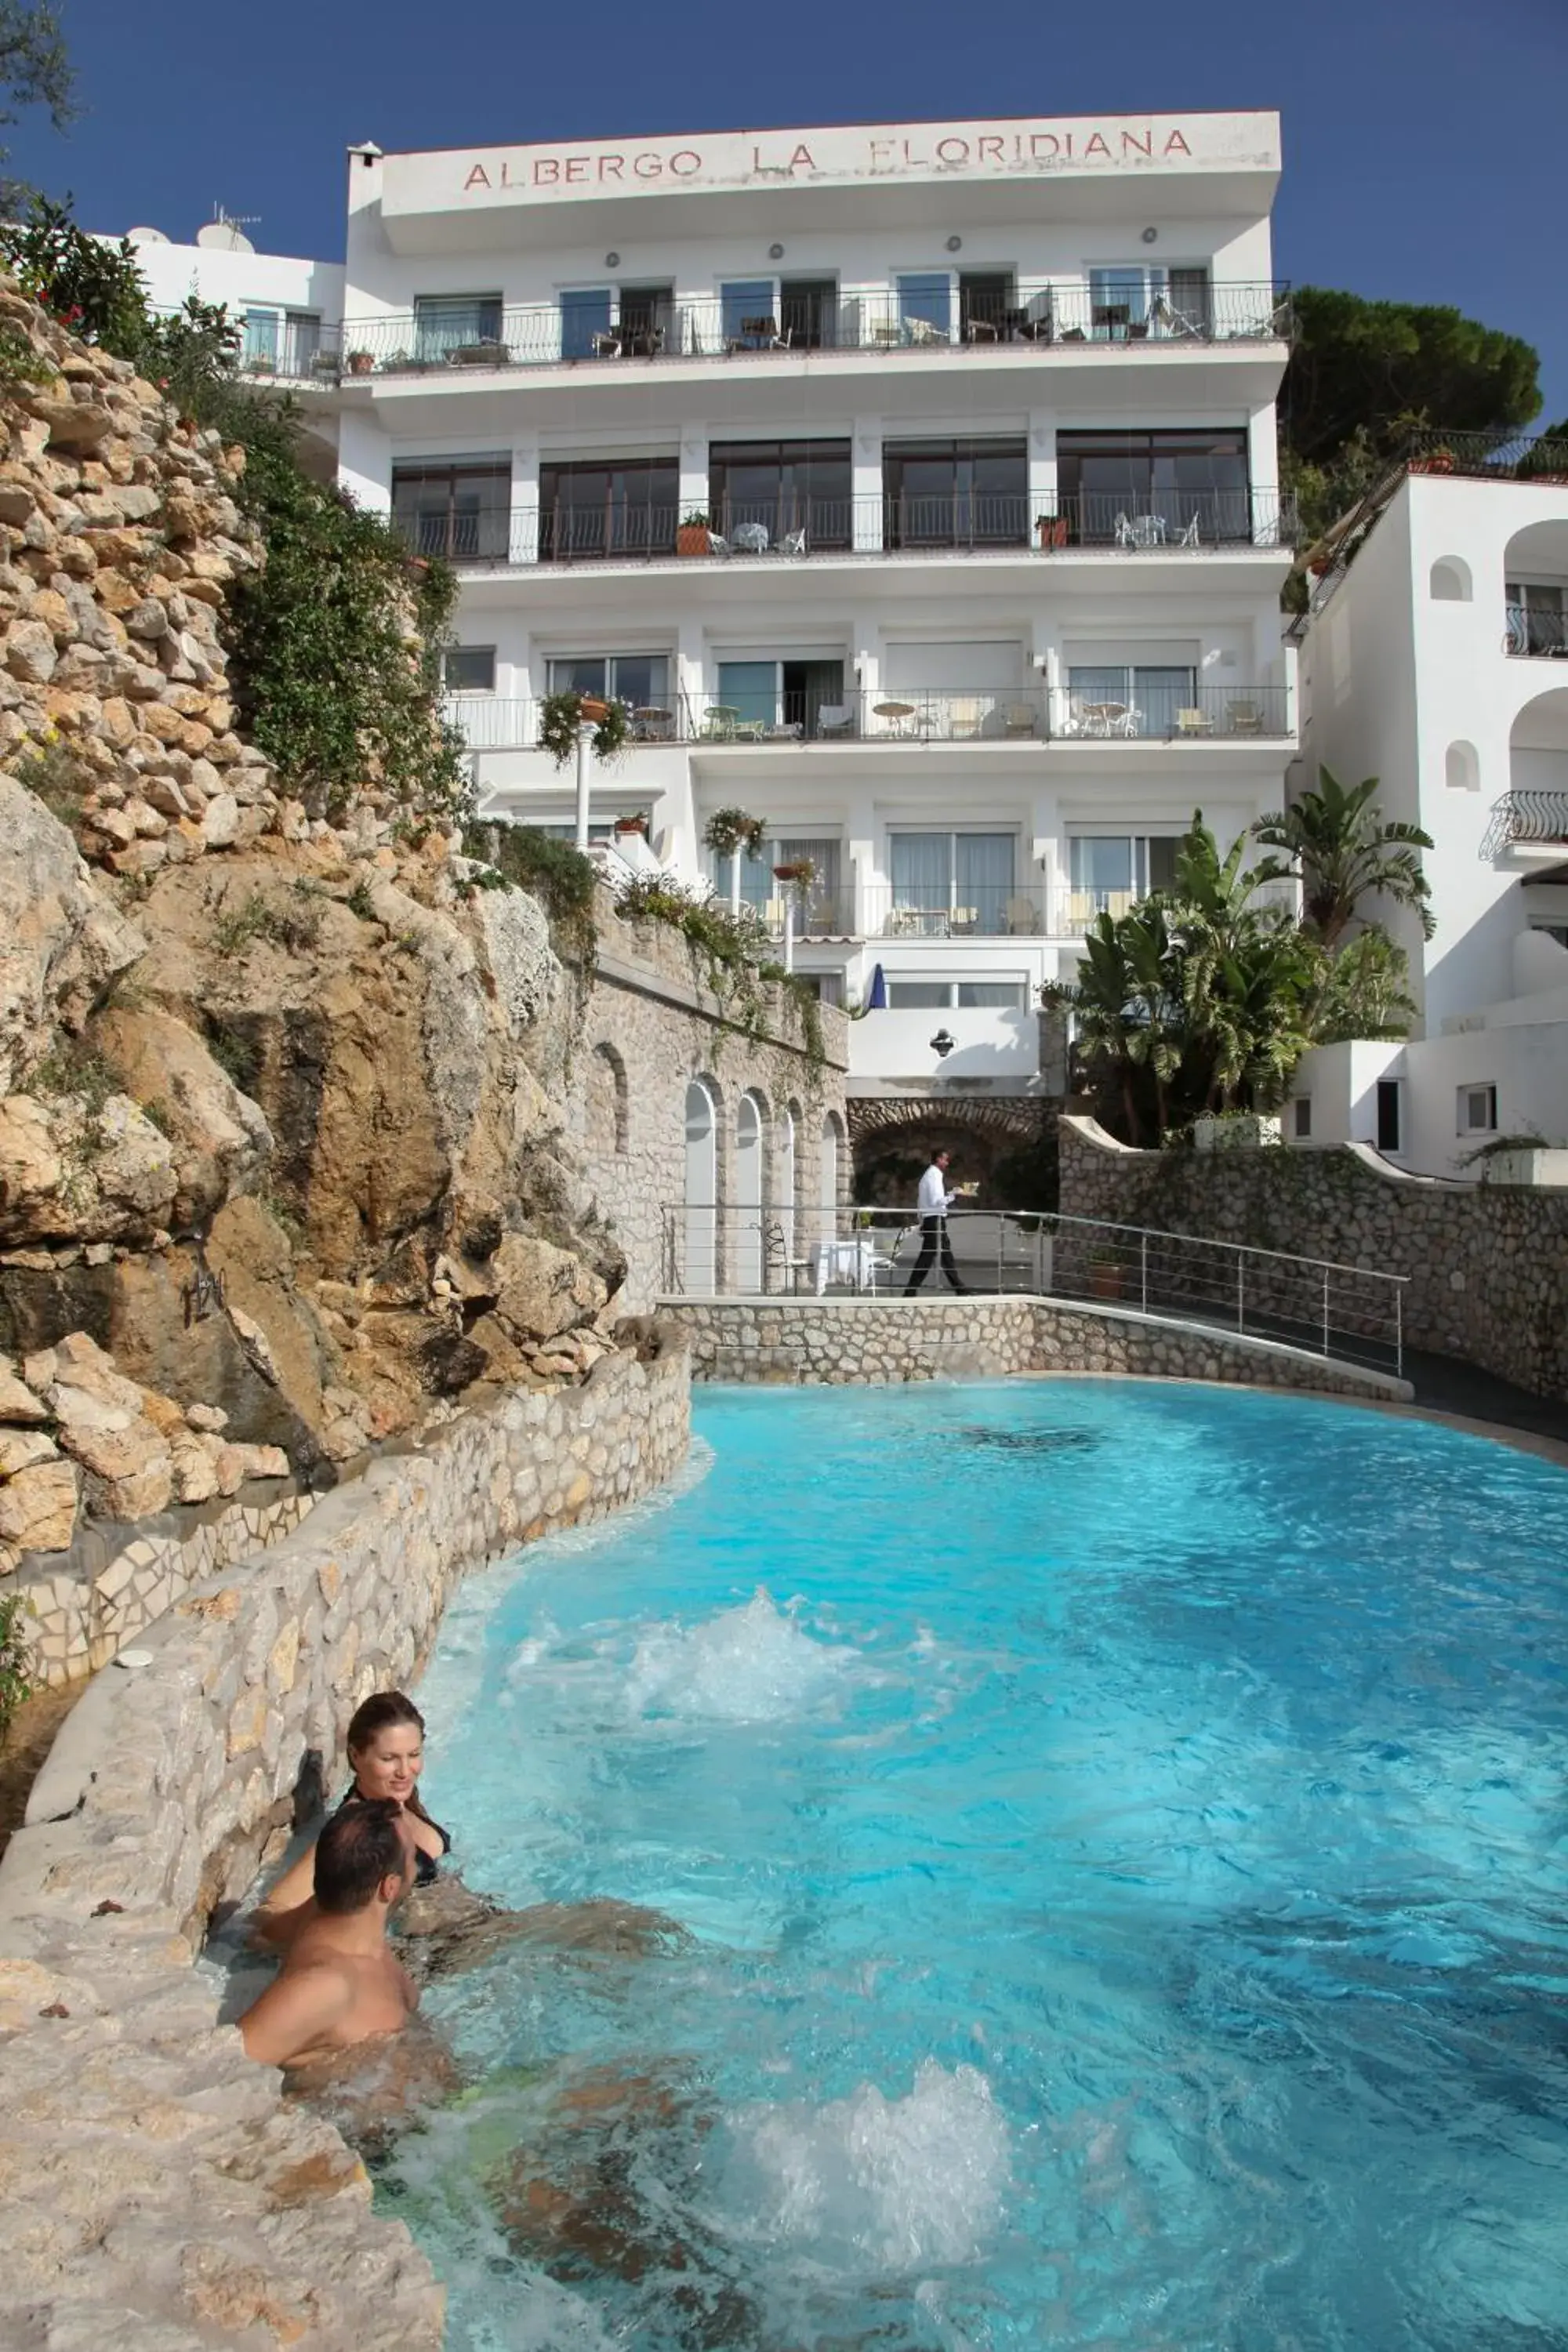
{"type": "Point", "coordinates": [942, 1044]}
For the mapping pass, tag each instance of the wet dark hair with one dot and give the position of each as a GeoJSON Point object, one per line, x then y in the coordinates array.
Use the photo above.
{"type": "Point", "coordinates": [381, 1711]}
{"type": "Point", "coordinates": [354, 1852]}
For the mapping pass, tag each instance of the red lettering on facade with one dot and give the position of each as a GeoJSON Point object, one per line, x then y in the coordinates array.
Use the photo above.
{"type": "Point", "coordinates": [611, 166]}
{"type": "Point", "coordinates": [647, 167]}
{"type": "Point", "coordinates": [1043, 142]}
{"type": "Point", "coordinates": [881, 154]}
{"type": "Point", "coordinates": [577, 166]}
{"type": "Point", "coordinates": [953, 151]}
{"type": "Point", "coordinates": [1144, 146]}
{"type": "Point", "coordinates": [1095, 146]}
{"type": "Point", "coordinates": [477, 178]}
{"type": "Point", "coordinates": [546, 171]}
{"type": "Point", "coordinates": [988, 151]}
{"type": "Point", "coordinates": [684, 161]}
{"type": "Point", "coordinates": [801, 160]}
{"type": "Point", "coordinates": [1176, 145]}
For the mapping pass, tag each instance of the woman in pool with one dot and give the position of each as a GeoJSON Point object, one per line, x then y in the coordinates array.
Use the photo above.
{"type": "Point", "coordinates": [386, 1742]}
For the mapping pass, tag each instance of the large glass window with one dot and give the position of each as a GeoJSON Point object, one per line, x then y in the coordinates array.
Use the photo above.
{"type": "Point", "coordinates": [809, 313]}
{"type": "Point", "coordinates": [584, 322]}
{"type": "Point", "coordinates": [1148, 695]}
{"type": "Point", "coordinates": [780, 697]}
{"type": "Point", "coordinates": [1134, 300]}
{"type": "Point", "coordinates": [1537, 617]}
{"type": "Point", "coordinates": [956, 493]}
{"type": "Point", "coordinates": [964, 878]}
{"type": "Point", "coordinates": [1107, 871]}
{"type": "Point", "coordinates": [925, 305]}
{"type": "Point", "coordinates": [591, 511]}
{"type": "Point", "coordinates": [444, 324]}
{"type": "Point", "coordinates": [986, 305]}
{"type": "Point", "coordinates": [761, 492]}
{"type": "Point", "coordinates": [469, 670]}
{"type": "Point", "coordinates": [639, 681]}
{"type": "Point", "coordinates": [748, 313]}
{"type": "Point", "coordinates": [957, 995]}
{"type": "Point", "coordinates": [460, 509]}
{"type": "Point", "coordinates": [1150, 488]}
{"type": "Point", "coordinates": [760, 885]}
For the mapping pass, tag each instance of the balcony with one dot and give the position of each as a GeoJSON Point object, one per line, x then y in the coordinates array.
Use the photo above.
{"type": "Point", "coordinates": [1178, 524]}
{"type": "Point", "coordinates": [886, 717]}
{"type": "Point", "coordinates": [1527, 819]}
{"type": "Point", "coordinates": [1039, 316]}
{"type": "Point", "coordinates": [1534, 633]}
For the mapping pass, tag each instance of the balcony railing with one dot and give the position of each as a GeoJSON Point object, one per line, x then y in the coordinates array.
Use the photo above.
{"type": "Point", "coordinates": [881, 715]}
{"type": "Point", "coordinates": [1039, 315]}
{"type": "Point", "coordinates": [1488, 457]}
{"type": "Point", "coordinates": [1117, 523]}
{"type": "Point", "coordinates": [1521, 819]}
{"type": "Point", "coordinates": [1203, 714]}
{"type": "Point", "coordinates": [1529, 631]}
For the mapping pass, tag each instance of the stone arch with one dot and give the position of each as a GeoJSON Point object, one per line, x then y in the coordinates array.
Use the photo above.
{"type": "Point", "coordinates": [784, 1192]}
{"type": "Point", "coordinates": [608, 1108]}
{"type": "Point", "coordinates": [1450, 582]}
{"type": "Point", "coordinates": [1461, 767]}
{"type": "Point", "coordinates": [749, 1201]}
{"type": "Point", "coordinates": [1536, 805]}
{"type": "Point", "coordinates": [698, 1269]}
{"type": "Point", "coordinates": [832, 1155]}
{"type": "Point", "coordinates": [894, 1137]}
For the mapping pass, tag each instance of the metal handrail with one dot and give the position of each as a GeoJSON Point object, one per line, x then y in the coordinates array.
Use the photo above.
{"type": "Point", "coordinates": [1528, 816]}
{"type": "Point", "coordinates": [1324, 1305]}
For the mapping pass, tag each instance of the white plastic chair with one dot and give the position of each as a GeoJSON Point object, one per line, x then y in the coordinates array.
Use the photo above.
{"type": "Point", "coordinates": [792, 543]}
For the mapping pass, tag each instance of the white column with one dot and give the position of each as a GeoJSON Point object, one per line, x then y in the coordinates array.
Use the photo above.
{"type": "Point", "coordinates": [1042, 485]}
{"type": "Point", "coordinates": [693, 495]}
{"type": "Point", "coordinates": [585, 761]}
{"type": "Point", "coordinates": [1263, 473]}
{"type": "Point", "coordinates": [690, 658]}
{"type": "Point", "coordinates": [865, 482]}
{"type": "Point", "coordinates": [523, 545]}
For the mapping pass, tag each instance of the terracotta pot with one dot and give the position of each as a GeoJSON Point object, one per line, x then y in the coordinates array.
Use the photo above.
{"type": "Point", "coordinates": [691, 539]}
{"type": "Point", "coordinates": [361, 362]}
{"type": "Point", "coordinates": [1052, 530]}
{"type": "Point", "coordinates": [594, 711]}
{"type": "Point", "coordinates": [633, 825]}
{"type": "Point", "coordinates": [1105, 1282]}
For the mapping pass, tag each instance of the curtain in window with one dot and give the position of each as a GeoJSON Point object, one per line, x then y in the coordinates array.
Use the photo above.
{"type": "Point", "coordinates": [982, 877]}
{"type": "Point", "coordinates": [922, 869]}
{"type": "Point", "coordinates": [584, 316]}
{"type": "Point", "coordinates": [262, 338]}
{"type": "Point", "coordinates": [751, 689]}
{"type": "Point", "coordinates": [443, 323]}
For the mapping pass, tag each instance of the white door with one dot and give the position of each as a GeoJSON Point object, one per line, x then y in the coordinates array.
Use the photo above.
{"type": "Point", "coordinates": [748, 1219]}
{"type": "Point", "coordinates": [701, 1185]}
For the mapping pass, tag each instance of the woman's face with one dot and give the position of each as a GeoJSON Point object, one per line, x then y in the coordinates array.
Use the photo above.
{"type": "Point", "coordinates": [389, 1765]}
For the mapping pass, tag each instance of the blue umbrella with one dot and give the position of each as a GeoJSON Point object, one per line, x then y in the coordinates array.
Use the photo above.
{"type": "Point", "coordinates": [876, 995]}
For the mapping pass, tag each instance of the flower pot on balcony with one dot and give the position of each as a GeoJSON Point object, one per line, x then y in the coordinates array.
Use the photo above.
{"type": "Point", "coordinates": [361, 362]}
{"type": "Point", "coordinates": [789, 873]}
{"type": "Point", "coordinates": [691, 539]}
{"type": "Point", "coordinates": [592, 711]}
{"type": "Point", "coordinates": [630, 824]}
{"type": "Point", "coordinates": [1052, 530]}
{"type": "Point", "coordinates": [1436, 461]}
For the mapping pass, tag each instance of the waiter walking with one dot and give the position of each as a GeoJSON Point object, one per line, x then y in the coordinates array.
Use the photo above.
{"type": "Point", "coordinates": [935, 1204]}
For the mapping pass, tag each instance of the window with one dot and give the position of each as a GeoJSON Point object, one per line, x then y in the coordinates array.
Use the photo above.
{"type": "Point", "coordinates": [956, 493]}
{"type": "Point", "coordinates": [447, 323]}
{"type": "Point", "coordinates": [745, 303]}
{"type": "Point", "coordinates": [767, 489]}
{"type": "Point", "coordinates": [925, 305]}
{"type": "Point", "coordinates": [1132, 301]}
{"type": "Point", "coordinates": [592, 512]}
{"type": "Point", "coordinates": [956, 995]}
{"type": "Point", "coordinates": [827, 987]}
{"type": "Point", "coordinates": [281, 342]}
{"type": "Point", "coordinates": [1477, 1111]}
{"type": "Point", "coordinates": [603, 321]}
{"type": "Point", "coordinates": [584, 317]}
{"type": "Point", "coordinates": [809, 312]}
{"type": "Point", "coordinates": [599, 831]}
{"type": "Point", "coordinates": [460, 508]}
{"type": "Point", "coordinates": [1177, 479]}
{"type": "Point", "coordinates": [469, 669]}
{"type": "Point", "coordinates": [639, 681]}
{"type": "Point", "coordinates": [1108, 870]}
{"type": "Point", "coordinates": [1302, 1125]}
{"type": "Point", "coordinates": [960, 881]}
{"type": "Point", "coordinates": [1150, 696]}
{"type": "Point", "coordinates": [1388, 1122]}
{"type": "Point", "coordinates": [986, 304]}
{"type": "Point", "coordinates": [760, 886]}
{"type": "Point", "coordinates": [782, 697]}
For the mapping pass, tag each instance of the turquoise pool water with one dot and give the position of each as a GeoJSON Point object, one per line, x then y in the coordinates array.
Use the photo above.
{"type": "Point", "coordinates": [1121, 1833]}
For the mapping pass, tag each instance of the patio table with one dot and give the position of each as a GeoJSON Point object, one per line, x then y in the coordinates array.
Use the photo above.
{"type": "Point", "coordinates": [854, 1261]}
{"type": "Point", "coordinates": [751, 537]}
{"type": "Point", "coordinates": [896, 712]}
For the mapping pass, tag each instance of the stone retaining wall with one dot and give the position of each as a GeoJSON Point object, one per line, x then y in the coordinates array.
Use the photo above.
{"type": "Point", "coordinates": [155, 2195]}
{"type": "Point", "coordinates": [1486, 1265]}
{"type": "Point", "coordinates": [823, 1340]}
{"type": "Point", "coordinates": [95, 1600]}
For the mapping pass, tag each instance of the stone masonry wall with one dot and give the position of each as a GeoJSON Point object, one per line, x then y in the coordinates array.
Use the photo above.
{"type": "Point", "coordinates": [157, 2195]}
{"type": "Point", "coordinates": [650, 1028]}
{"type": "Point", "coordinates": [1486, 1266]}
{"type": "Point", "coordinates": [813, 1341]}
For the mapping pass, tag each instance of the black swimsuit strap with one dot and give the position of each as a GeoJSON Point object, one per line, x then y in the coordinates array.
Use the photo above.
{"type": "Point", "coordinates": [352, 1796]}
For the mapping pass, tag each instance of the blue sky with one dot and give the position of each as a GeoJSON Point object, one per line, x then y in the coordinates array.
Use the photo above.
{"type": "Point", "coordinates": [1423, 143]}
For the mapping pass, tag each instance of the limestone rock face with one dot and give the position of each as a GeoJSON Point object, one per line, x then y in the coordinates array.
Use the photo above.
{"type": "Point", "coordinates": [101, 1423]}
{"type": "Point", "coordinates": [71, 1172]}
{"type": "Point", "coordinates": [540, 1290]}
{"type": "Point", "coordinates": [61, 940]}
{"type": "Point", "coordinates": [220, 1139]}
{"type": "Point", "coordinates": [37, 1507]}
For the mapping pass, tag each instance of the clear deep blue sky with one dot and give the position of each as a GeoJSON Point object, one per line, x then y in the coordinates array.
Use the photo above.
{"type": "Point", "coordinates": [1425, 140]}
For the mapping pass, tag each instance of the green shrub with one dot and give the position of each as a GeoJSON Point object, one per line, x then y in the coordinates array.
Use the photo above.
{"type": "Point", "coordinates": [236, 930]}
{"type": "Point", "coordinates": [71, 1069]}
{"type": "Point", "coordinates": [15, 1659]}
{"type": "Point", "coordinates": [552, 871]}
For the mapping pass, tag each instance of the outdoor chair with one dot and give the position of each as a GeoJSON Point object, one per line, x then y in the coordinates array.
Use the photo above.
{"type": "Point", "coordinates": [963, 715]}
{"type": "Point", "coordinates": [1018, 719]}
{"type": "Point", "coordinates": [1243, 719]}
{"type": "Point", "coordinates": [1165, 320]}
{"type": "Point", "coordinates": [762, 334]}
{"type": "Point", "coordinates": [1020, 916]}
{"type": "Point", "coordinates": [835, 718]}
{"type": "Point", "coordinates": [1188, 534]}
{"type": "Point", "coordinates": [719, 723]}
{"type": "Point", "coordinates": [924, 331]}
{"type": "Point", "coordinates": [963, 918]}
{"type": "Point", "coordinates": [792, 543]}
{"type": "Point", "coordinates": [1190, 722]}
{"type": "Point", "coordinates": [718, 544]}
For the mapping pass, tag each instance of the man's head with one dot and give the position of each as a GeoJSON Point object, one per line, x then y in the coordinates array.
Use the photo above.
{"type": "Point", "coordinates": [940, 1160]}
{"type": "Point", "coordinates": [365, 1856]}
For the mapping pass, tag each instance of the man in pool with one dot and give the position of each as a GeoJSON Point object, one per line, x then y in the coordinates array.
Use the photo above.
{"type": "Point", "coordinates": [339, 1984]}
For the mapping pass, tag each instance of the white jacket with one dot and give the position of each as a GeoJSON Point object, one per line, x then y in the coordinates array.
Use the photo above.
{"type": "Point", "coordinates": [935, 1198]}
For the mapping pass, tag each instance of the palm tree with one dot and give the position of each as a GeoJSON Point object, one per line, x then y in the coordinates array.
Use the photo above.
{"type": "Point", "coordinates": [1342, 853]}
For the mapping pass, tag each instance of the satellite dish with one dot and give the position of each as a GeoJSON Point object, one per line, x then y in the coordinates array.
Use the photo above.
{"type": "Point", "coordinates": [223, 237]}
{"type": "Point", "coordinates": [148, 237]}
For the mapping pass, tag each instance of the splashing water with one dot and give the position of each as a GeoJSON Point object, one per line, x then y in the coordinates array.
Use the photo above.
{"type": "Point", "coordinates": [754, 1665]}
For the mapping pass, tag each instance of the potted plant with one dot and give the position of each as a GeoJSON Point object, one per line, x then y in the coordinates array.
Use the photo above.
{"type": "Point", "coordinates": [1104, 1272]}
{"type": "Point", "coordinates": [733, 833]}
{"type": "Point", "coordinates": [799, 873]}
{"type": "Point", "coordinates": [1052, 530]}
{"type": "Point", "coordinates": [1432, 461]}
{"type": "Point", "coordinates": [692, 533]}
{"type": "Point", "coordinates": [562, 715]}
{"type": "Point", "coordinates": [361, 362]}
{"type": "Point", "coordinates": [636, 823]}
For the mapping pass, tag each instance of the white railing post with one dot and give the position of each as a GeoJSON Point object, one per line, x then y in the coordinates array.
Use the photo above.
{"type": "Point", "coordinates": [1240, 1291]}
{"type": "Point", "coordinates": [1325, 1310]}
{"type": "Point", "coordinates": [1144, 1274]}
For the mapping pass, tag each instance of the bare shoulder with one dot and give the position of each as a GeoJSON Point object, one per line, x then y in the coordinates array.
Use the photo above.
{"type": "Point", "coordinates": [300, 2009]}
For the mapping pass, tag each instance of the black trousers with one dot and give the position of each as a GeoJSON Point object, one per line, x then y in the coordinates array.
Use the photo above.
{"type": "Point", "coordinates": [935, 1236]}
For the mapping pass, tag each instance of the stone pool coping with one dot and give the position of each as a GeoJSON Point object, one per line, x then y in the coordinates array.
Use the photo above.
{"type": "Point", "coordinates": [156, 2193]}
{"type": "Point", "coordinates": [867, 1339]}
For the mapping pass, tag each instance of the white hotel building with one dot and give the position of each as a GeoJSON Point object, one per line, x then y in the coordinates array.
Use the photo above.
{"type": "Point", "coordinates": [978, 422]}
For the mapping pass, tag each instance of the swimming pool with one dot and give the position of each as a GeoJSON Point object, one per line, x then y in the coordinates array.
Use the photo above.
{"type": "Point", "coordinates": [1121, 1829]}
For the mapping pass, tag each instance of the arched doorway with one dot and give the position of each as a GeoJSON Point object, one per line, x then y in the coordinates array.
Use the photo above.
{"type": "Point", "coordinates": [697, 1266]}
{"type": "Point", "coordinates": [784, 1183]}
{"type": "Point", "coordinates": [747, 1254]}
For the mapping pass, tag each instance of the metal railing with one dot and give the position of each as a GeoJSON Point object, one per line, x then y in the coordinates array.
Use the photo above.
{"type": "Point", "coordinates": [882, 528]}
{"type": "Point", "coordinates": [1499, 456]}
{"type": "Point", "coordinates": [1201, 714]}
{"type": "Point", "coordinates": [1525, 817]}
{"type": "Point", "coordinates": [719, 1250]}
{"type": "Point", "coordinates": [1529, 631]}
{"type": "Point", "coordinates": [1038, 313]}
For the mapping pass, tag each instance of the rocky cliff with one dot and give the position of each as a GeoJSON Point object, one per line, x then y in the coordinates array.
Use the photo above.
{"type": "Point", "coordinates": [281, 1101]}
